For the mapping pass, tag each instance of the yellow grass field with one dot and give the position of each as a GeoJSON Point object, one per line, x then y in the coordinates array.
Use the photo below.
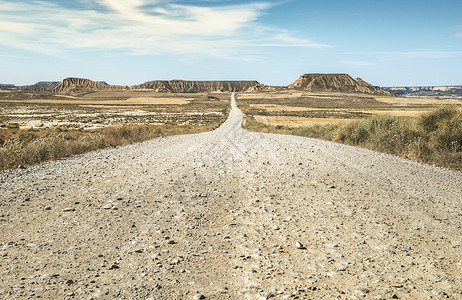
{"type": "Point", "coordinates": [418, 101]}
{"type": "Point", "coordinates": [289, 94]}
{"type": "Point", "coordinates": [299, 121]}
{"type": "Point", "coordinates": [275, 107]}
{"type": "Point", "coordinates": [150, 100]}
{"type": "Point", "coordinates": [397, 112]}
{"type": "Point", "coordinates": [423, 129]}
{"type": "Point", "coordinates": [36, 127]}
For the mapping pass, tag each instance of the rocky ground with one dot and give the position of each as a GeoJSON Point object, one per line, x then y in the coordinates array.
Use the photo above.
{"type": "Point", "coordinates": [231, 215]}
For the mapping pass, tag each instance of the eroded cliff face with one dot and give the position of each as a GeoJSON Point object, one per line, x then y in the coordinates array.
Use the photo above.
{"type": "Point", "coordinates": [81, 84]}
{"type": "Point", "coordinates": [309, 82]}
{"type": "Point", "coordinates": [335, 83]}
{"type": "Point", "coordinates": [443, 92]}
{"type": "Point", "coordinates": [41, 86]}
{"type": "Point", "coordinates": [70, 85]}
{"type": "Point", "coordinates": [184, 86]}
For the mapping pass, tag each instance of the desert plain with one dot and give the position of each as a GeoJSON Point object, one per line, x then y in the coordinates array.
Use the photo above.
{"type": "Point", "coordinates": [226, 214]}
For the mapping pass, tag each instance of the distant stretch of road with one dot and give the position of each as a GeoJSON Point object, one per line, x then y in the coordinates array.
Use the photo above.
{"type": "Point", "coordinates": [231, 214]}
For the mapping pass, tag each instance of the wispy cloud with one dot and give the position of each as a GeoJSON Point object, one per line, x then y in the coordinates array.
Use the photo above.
{"type": "Point", "coordinates": [413, 54]}
{"type": "Point", "coordinates": [141, 27]}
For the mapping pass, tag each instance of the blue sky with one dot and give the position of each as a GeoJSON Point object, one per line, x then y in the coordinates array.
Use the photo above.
{"type": "Point", "coordinates": [387, 43]}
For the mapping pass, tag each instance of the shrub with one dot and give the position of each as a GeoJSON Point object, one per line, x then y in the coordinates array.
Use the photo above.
{"type": "Point", "coordinates": [438, 118]}
{"type": "Point", "coordinates": [326, 132]}
{"type": "Point", "coordinates": [435, 137]}
{"type": "Point", "coordinates": [23, 148]}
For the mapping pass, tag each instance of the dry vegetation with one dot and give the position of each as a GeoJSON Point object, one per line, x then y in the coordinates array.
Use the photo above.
{"type": "Point", "coordinates": [428, 131]}
{"type": "Point", "coordinates": [48, 127]}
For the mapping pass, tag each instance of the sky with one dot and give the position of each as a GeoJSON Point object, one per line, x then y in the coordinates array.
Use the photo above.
{"type": "Point", "coordinates": [126, 42]}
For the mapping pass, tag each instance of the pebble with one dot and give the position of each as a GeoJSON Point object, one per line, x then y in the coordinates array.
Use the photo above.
{"type": "Point", "coordinates": [198, 296]}
{"type": "Point", "coordinates": [438, 292]}
{"type": "Point", "coordinates": [49, 276]}
{"type": "Point", "coordinates": [299, 245]}
{"type": "Point", "coordinates": [100, 293]}
{"type": "Point", "coordinates": [8, 245]}
{"type": "Point", "coordinates": [342, 268]}
{"type": "Point", "coordinates": [68, 209]}
{"type": "Point", "coordinates": [107, 206]}
{"type": "Point", "coordinates": [69, 282]}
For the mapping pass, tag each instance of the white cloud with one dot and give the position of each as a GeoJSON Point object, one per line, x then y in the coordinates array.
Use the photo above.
{"type": "Point", "coordinates": [140, 27]}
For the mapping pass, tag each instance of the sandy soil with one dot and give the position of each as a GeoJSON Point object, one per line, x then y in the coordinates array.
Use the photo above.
{"type": "Point", "coordinates": [130, 101]}
{"type": "Point", "coordinates": [231, 215]}
{"type": "Point", "coordinates": [150, 100]}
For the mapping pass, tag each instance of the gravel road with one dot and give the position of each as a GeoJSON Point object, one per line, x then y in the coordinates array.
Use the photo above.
{"type": "Point", "coordinates": [231, 214]}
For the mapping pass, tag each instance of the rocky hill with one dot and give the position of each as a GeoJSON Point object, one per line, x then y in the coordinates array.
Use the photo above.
{"type": "Point", "coordinates": [309, 82]}
{"type": "Point", "coordinates": [427, 91]}
{"type": "Point", "coordinates": [41, 86]}
{"type": "Point", "coordinates": [263, 88]}
{"type": "Point", "coordinates": [78, 85]}
{"type": "Point", "coordinates": [8, 87]}
{"type": "Point", "coordinates": [335, 83]}
{"type": "Point", "coordinates": [184, 86]}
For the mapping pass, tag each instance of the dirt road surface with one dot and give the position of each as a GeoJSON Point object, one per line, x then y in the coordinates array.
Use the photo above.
{"type": "Point", "coordinates": [231, 214]}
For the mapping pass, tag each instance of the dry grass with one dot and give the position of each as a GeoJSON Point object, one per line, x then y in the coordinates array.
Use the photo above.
{"type": "Point", "coordinates": [177, 101]}
{"type": "Point", "coordinates": [434, 137]}
{"type": "Point", "coordinates": [296, 94]}
{"type": "Point", "coordinates": [275, 107]}
{"type": "Point", "coordinates": [130, 101]}
{"type": "Point", "coordinates": [299, 121]}
{"type": "Point", "coordinates": [398, 113]}
{"type": "Point", "coordinates": [418, 101]}
{"type": "Point", "coordinates": [36, 127]}
{"type": "Point", "coordinates": [284, 108]}
{"type": "Point", "coordinates": [125, 94]}
{"type": "Point", "coordinates": [421, 129]}
{"type": "Point", "coordinates": [49, 111]}
{"type": "Point", "coordinates": [24, 147]}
